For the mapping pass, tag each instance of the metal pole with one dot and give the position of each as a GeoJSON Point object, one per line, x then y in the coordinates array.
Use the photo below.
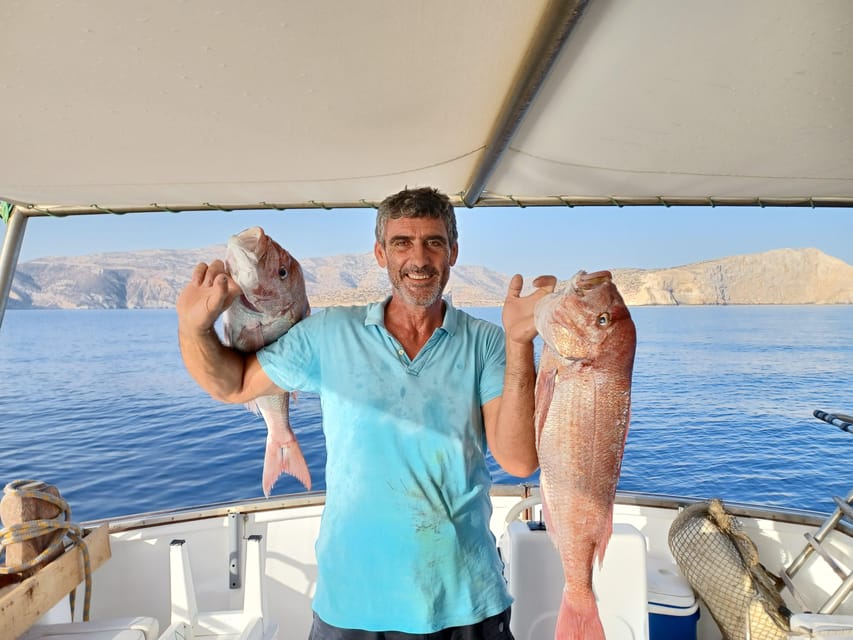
{"type": "Point", "coordinates": [556, 24]}
{"type": "Point", "coordinates": [12, 241]}
{"type": "Point", "coordinates": [840, 420]}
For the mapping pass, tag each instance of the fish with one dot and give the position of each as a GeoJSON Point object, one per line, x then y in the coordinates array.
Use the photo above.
{"type": "Point", "coordinates": [582, 411]}
{"type": "Point", "coordinates": [273, 300]}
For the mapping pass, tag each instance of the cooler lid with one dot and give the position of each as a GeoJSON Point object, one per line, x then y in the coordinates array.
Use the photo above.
{"type": "Point", "coordinates": [667, 586]}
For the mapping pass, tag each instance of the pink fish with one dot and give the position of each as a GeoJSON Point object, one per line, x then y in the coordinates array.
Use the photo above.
{"type": "Point", "coordinates": [583, 400]}
{"type": "Point", "coordinates": [273, 300]}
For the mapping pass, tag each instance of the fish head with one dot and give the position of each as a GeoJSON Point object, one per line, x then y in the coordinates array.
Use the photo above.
{"type": "Point", "coordinates": [271, 279]}
{"type": "Point", "coordinates": [587, 320]}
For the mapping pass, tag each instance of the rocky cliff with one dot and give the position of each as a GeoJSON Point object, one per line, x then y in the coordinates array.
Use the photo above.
{"type": "Point", "coordinates": [153, 279]}
{"type": "Point", "coordinates": [783, 276]}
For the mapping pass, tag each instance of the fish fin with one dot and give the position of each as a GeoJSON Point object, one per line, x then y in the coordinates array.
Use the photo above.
{"type": "Point", "coordinates": [550, 525]}
{"type": "Point", "coordinates": [546, 515]}
{"type": "Point", "coordinates": [544, 393]}
{"type": "Point", "coordinates": [284, 457]}
{"type": "Point", "coordinates": [578, 619]}
{"type": "Point", "coordinates": [606, 532]}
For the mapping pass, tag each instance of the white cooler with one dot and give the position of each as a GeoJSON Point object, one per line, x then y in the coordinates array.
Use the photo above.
{"type": "Point", "coordinates": [535, 578]}
{"type": "Point", "coordinates": [640, 596]}
{"type": "Point", "coordinates": [673, 610]}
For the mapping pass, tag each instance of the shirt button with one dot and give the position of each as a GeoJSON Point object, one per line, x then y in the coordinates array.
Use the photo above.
{"type": "Point", "coordinates": [400, 352]}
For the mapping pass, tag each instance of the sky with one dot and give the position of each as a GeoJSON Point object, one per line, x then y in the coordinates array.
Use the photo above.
{"type": "Point", "coordinates": [530, 241]}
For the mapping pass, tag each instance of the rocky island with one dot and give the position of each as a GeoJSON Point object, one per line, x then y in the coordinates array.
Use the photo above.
{"type": "Point", "coordinates": [152, 280]}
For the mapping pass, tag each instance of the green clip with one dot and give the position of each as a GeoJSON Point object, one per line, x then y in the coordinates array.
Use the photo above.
{"type": "Point", "coordinates": [5, 211]}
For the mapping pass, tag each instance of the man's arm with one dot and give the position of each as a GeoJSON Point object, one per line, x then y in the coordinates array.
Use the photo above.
{"type": "Point", "coordinates": [226, 374]}
{"type": "Point", "coordinates": [509, 419]}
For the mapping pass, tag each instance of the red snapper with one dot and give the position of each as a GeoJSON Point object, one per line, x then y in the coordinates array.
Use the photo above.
{"type": "Point", "coordinates": [582, 410]}
{"type": "Point", "coordinates": [273, 300]}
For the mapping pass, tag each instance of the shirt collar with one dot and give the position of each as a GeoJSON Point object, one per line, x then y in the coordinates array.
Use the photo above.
{"type": "Point", "coordinates": [376, 315]}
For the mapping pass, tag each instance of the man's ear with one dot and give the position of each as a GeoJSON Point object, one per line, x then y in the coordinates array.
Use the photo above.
{"type": "Point", "coordinates": [379, 252]}
{"type": "Point", "coordinates": [454, 253]}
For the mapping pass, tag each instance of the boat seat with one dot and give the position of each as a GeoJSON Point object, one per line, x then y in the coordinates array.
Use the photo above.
{"type": "Point", "coordinates": [178, 631]}
{"type": "Point", "coordinates": [821, 625]}
{"type": "Point", "coordinates": [248, 623]}
{"type": "Point", "coordinates": [129, 628]}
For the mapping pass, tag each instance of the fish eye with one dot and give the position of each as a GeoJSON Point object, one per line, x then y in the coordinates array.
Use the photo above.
{"type": "Point", "coordinates": [282, 272]}
{"type": "Point", "coordinates": [604, 319]}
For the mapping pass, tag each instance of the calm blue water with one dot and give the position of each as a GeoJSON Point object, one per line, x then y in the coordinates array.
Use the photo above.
{"type": "Point", "coordinates": [99, 404]}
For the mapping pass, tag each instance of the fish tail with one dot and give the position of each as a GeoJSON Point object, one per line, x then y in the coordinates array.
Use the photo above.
{"type": "Point", "coordinates": [284, 457]}
{"type": "Point", "coordinates": [578, 619]}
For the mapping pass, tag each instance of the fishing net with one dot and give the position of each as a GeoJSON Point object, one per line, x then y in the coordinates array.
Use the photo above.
{"type": "Point", "coordinates": [721, 563]}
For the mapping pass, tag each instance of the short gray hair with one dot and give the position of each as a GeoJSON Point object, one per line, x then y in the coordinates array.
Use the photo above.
{"type": "Point", "coordinates": [423, 202]}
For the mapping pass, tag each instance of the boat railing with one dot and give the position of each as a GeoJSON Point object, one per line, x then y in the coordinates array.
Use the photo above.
{"type": "Point", "coordinates": [816, 543]}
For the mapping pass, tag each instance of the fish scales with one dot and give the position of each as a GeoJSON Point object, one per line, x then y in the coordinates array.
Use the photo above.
{"type": "Point", "coordinates": [583, 396]}
{"type": "Point", "coordinates": [273, 300]}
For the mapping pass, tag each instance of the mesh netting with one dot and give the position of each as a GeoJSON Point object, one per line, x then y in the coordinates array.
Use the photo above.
{"type": "Point", "coordinates": [721, 564]}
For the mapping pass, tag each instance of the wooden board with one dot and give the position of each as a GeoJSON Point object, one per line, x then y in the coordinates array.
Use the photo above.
{"type": "Point", "coordinates": [23, 603]}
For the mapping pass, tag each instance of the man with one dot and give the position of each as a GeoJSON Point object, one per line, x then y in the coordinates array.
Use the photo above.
{"type": "Point", "coordinates": [412, 390]}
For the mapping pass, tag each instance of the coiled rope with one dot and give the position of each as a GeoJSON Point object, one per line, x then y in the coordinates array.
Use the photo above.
{"type": "Point", "coordinates": [23, 531]}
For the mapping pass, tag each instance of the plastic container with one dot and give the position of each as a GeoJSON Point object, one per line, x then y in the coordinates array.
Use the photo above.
{"type": "Point", "coordinates": [673, 610]}
{"type": "Point", "coordinates": [535, 579]}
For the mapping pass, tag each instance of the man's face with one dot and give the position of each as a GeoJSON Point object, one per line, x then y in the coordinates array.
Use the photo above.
{"type": "Point", "coordinates": [418, 256]}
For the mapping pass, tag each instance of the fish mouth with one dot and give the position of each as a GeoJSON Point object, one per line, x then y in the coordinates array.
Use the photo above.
{"type": "Point", "coordinates": [584, 281]}
{"type": "Point", "coordinates": [246, 249]}
{"type": "Point", "coordinates": [251, 240]}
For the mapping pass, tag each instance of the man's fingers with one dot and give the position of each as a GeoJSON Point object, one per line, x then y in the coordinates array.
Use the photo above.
{"type": "Point", "coordinates": [223, 291]}
{"type": "Point", "coordinates": [229, 288]}
{"type": "Point", "coordinates": [198, 273]}
{"type": "Point", "coordinates": [214, 270]}
{"type": "Point", "coordinates": [214, 286]}
{"type": "Point", "coordinates": [547, 283]}
{"type": "Point", "coordinates": [515, 285]}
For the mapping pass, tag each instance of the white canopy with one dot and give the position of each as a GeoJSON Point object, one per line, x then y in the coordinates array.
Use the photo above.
{"type": "Point", "coordinates": [127, 105]}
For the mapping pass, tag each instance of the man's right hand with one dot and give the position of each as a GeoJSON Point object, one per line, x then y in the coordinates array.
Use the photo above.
{"type": "Point", "coordinates": [209, 293]}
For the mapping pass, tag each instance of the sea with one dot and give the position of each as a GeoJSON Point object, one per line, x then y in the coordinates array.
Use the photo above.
{"type": "Point", "coordinates": [98, 403]}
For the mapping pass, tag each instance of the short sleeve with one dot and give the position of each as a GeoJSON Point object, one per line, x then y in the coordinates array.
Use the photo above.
{"type": "Point", "coordinates": [293, 361]}
{"type": "Point", "coordinates": [494, 363]}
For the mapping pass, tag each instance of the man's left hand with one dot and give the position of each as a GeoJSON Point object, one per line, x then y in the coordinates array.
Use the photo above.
{"type": "Point", "coordinates": [517, 316]}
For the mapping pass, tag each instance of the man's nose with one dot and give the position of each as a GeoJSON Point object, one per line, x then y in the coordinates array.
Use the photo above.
{"type": "Point", "coordinates": [420, 254]}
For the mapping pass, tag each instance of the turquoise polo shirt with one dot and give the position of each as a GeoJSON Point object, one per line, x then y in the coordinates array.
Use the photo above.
{"type": "Point", "coordinates": [404, 542]}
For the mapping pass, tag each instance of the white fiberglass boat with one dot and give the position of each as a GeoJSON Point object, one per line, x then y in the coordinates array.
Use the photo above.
{"type": "Point", "coordinates": [207, 105]}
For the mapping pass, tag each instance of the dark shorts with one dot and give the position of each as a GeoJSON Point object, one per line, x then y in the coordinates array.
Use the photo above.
{"type": "Point", "coordinates": [494, 628]}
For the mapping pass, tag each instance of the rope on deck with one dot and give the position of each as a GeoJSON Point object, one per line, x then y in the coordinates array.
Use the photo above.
{"type": "Point", "coordinates": [23, 531]}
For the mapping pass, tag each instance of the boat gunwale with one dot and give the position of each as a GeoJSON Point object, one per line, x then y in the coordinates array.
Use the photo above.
{"type": "Point", "coordinates": [523, 490]}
